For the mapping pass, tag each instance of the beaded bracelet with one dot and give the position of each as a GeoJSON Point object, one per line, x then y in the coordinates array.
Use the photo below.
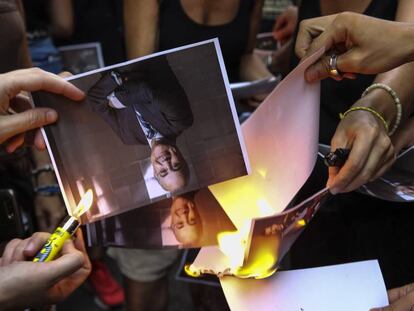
{"type": "Point", "coordinates": [375, 113]}
{"type": "Point", "coordinates": [395, 98]}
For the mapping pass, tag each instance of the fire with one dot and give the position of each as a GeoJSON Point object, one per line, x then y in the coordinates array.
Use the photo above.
{"type": "Point", "coordinates": [84, 204]}
{"type": "Point", "coordinates": [244, 199]}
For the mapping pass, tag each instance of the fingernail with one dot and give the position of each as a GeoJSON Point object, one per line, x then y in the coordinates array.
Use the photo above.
{"type": "Point", "coordinates": [29, 247]}
{"type": "Point", "coordinates": [51, 116]}
{"type": "Point", "coordinates": [333, 190]}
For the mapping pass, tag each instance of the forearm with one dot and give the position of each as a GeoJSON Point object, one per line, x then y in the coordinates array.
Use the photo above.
{"type": "Point", "coordinates": [281, 59]}
{"type": "Point", "coordinates": [41, 159]}
{"type": "Point", "coordinates": [252, 68]}
{"type": "Point", "coordinates": [141, 27]}
{"type": "Point", "coordinates": [61, 16]}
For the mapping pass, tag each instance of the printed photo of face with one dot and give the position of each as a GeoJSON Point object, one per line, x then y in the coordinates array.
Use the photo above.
{"type": "Point", "coordinates": [186, 222]}
{"type": "Point", "coordinates": [170, 168]}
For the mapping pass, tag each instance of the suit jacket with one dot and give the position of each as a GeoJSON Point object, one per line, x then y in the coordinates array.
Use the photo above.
{"type": "Point", "coordinates": [158, 97]}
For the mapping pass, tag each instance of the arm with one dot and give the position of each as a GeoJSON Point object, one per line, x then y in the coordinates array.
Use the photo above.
{"type": "Point", "coordinates": [141, 27]}
{"type": "Point", "coordinates": [27, 61]}
{"type": "Point", "coordinates": [62, 19]}
{"type": "Point", "coordinates": [251, 67]}
{"type": "Point", "coordinates": [372, 152]}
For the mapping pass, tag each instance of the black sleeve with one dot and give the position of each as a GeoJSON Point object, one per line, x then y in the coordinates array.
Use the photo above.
{"type": "Point", "coordinates": [122, 121]}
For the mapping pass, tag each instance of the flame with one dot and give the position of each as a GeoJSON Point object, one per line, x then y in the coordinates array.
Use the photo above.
{"type": "Point", "coordinates": [244, 199]}
{"type": "Point", "coordinates": [261, 260]}
{"type": "Point", "coordinates": [233, 244]}
{"type": "Point", "coordinates": [84, 204]}
{"type": "Point", "coordinates": [301, 223]}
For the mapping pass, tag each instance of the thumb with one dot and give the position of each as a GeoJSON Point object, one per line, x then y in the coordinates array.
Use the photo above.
{"type": "Point", "coordinates": [62, 267]}
{"type": "Point", "coordinates": [25, 121]}
{"type": "Point", "coordinates": [406, 303]}
{"type": "Point", "coordinates": [339, 140]}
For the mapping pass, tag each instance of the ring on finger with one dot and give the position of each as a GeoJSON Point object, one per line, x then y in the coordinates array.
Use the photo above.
{"type": "Point", "coordinates": [333, 67]}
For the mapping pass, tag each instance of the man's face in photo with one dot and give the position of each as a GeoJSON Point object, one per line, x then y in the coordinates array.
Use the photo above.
{"type": "Point", "coordinates": [185, 220]}
{"type": "Point", "coordinates": [170, 167]}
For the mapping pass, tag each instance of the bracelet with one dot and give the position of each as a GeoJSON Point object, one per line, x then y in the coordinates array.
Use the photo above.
{"type": "Point", "coordinates": [44, 168]}
{"type": "Point", "coordinates": [395, 98]}
{"type": "Point", "coordinates": [372, 111]}
{"type": "Point", "coordinates": [47, 190]}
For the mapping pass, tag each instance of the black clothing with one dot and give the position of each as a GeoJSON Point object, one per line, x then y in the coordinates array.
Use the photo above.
{"type": "Point", "coordinates": [176, 29]}
{"type": "Point", "coordinates": [338, 96]}
{"type": "Point", "coordinates": [36, 14]}
{"type": "Point", "coordinates": [99, 21]}
{"type": "Point", "coordinates": [160, 100]}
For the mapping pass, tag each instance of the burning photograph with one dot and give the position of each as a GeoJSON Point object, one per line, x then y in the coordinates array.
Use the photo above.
{"type": "Point", "coordinates": [276, 234]}
{"type": "Point", "coordinates": [185, 221]}
{"type": "Point", "coordinates": [148, 130]}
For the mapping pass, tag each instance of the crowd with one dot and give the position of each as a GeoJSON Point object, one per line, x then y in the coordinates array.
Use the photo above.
{"type": "Point", "coordinates": [366, 74]}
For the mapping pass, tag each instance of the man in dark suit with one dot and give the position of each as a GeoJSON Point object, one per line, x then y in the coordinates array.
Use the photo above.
{"type": "Point", "coordinates": [148, 108]}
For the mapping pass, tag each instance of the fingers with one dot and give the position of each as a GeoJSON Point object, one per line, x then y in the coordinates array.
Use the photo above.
{"type": "Point", "coordinates": [377, 157]}
{"type": "Point", "coordinates": [25, 121]}
{"type": "Point", "coordinates": [319, 70]}
{"type": "Point", "coordinates": [71, 261]}
{"type": "Point", "coordinates": [388, 161]}
{"type": "Point", "coordinates": [397, 293]}
{"type": "Point", "coordinates": [308, 30]}
{"type": "Point", "coordinates": [406, 303]}
{"type": "Point", "coordinates": [65, 74]}
{"type": "Point", "coordinates": [352, 167]}
{"type": "Point", "coordinates": [39, 141]}
{"type": "Point", "coordinates": [35, 79]}
{"type": "Point", "coordinates": [8, 253]}
{"type": "Point", "coordinates": [14, 143]}
{"type": "Point", "coordinates": [35, 243]}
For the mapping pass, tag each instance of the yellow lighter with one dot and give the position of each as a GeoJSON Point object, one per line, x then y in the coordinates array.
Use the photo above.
{"type": "Point", "coordinates": [64, 231]}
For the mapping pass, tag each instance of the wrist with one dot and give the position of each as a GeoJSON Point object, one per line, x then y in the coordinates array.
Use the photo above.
{"type": "Point", "coordinates": [407, 42]}
{"type": "Point", "coordinates": [381, 102]}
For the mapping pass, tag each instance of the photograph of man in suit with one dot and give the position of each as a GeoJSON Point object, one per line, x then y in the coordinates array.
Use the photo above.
{"type": "Point", "coordinates": [148, 107]}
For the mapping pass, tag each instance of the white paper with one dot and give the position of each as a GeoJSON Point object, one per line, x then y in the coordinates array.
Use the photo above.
{"type": "Point", "coordinates": [348, 287]}
{"type": "Point", "coordinates": [281, 139]}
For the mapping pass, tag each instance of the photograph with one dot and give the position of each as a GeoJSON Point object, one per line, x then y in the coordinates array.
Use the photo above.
{"type": "Point", "coordinates": [189, 220]}
{"type": "Point", "coordinates": [280, 231]}
{"type": "Point", "coordinates": [80, 58]}
{"type": "Point", "coordinates": [148, 130]}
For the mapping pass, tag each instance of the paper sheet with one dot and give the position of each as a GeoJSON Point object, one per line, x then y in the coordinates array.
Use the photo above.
{"type": "Point", "coordinates": [281, 139]}
{"type": "Point", "coordinates": [355, 286]}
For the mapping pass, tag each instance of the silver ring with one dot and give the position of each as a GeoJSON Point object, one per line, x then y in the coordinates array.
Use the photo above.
{"type": "Point", "coordinates": [333, 69]}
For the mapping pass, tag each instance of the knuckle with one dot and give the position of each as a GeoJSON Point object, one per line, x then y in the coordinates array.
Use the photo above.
{"type": "Point", "coordinates": [303, 24]}
{"type": "Point", "coordinates": [36, 70]}
{"type": "Point", "coordinates": [32, 118]}
{"type": "Point", "coordinates": [354, 166]}
{"type": "Point", "coordinates": [13, 243]}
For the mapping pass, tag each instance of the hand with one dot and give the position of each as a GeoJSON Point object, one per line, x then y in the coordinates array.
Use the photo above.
{"type": "Point", "coordinates": [285, 24]}
{"type": "Point", "coordinates": [358, 39]}
{"type": "Point", "coordinates": [49, 212]}
{"type": "Point", "coordinates": [371, 152]}
{"type": "Point", "coordinates": [31, 284]}
{"type": "Point", "coordinates": [13, 127]}
{"type": "Point", "coordinates": [404, 136]}
{"type": "Point", "coordinates": [401, 299]}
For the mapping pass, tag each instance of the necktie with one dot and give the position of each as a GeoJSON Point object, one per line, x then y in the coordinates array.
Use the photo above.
{"type": "Point", "coordinates": [149, 131]}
